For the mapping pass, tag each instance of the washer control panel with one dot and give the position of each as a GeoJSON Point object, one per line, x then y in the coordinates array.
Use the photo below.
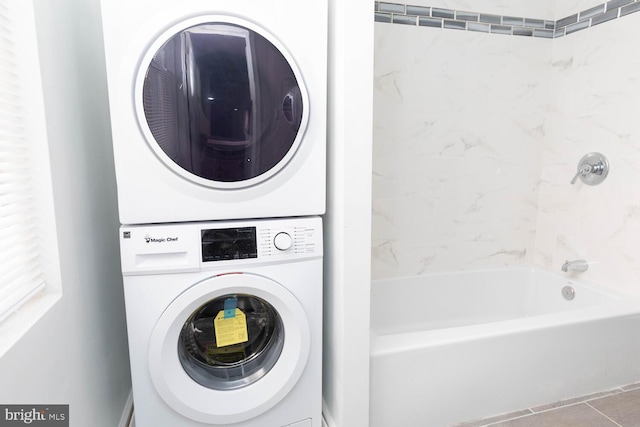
{"type": "Point", "coordinates": [147, 249]}
{"type": "Point", "coordinates": [282, 238]}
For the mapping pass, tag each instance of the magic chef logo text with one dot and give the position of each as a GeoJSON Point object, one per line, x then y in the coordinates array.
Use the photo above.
{"type": "Point", "coordinates": [150, 239]}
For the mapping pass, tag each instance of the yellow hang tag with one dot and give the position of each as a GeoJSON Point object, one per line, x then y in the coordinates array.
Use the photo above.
{"type": "Point", "coordinates": [230, 330]}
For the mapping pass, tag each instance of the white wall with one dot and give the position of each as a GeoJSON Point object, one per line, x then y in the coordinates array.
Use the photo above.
{"type": "Point", "coordinates": [77, 353]}
{"type": "Point", "coordinates": [348, 218]}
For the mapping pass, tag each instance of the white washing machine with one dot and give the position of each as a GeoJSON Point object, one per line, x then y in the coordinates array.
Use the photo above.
{"type": "Point", "coordinates": [225, 322]}
{"type": "Point", "coordinates": [218, 108]}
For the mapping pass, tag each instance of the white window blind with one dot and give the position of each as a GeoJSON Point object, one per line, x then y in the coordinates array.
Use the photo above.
{"type": "Point", "coordinates": [21, 274]}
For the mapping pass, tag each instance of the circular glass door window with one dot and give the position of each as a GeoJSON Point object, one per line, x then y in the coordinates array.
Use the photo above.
{"type": "Point", "coordinates": [223, 104]}
{"type": "Point", "coordinates": [231, 341]}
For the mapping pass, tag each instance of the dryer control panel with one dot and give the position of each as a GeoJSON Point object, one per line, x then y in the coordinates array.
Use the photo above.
{"type": "Point", "coordinates": [150, 249]}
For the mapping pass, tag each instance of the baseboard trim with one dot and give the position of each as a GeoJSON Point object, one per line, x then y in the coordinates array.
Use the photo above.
{"type": "Point", "coordinates": [127, 412]}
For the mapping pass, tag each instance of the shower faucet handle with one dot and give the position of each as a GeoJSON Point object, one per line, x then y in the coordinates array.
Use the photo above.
{"type": "Point", "coordinates": [583, 171]}
{"type": "Point", "coordinates": [592, 169]}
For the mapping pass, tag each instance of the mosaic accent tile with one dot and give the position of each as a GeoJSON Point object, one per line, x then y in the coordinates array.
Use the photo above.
{"type": "Point", "coordinates": [547, 34]}
{"type": "Point", "coordinates": [510, 20]}
{"type": "Point", "coordinates": [479, 26]}
{"type": "Point", "coordinates": [590, 13]}
{"type": "Point", "coordinates": [501, 29]}
{"type": "Point", "coordinates": [391, 7]}
{"type": "Point", "coordinates": [404, 19]}
{"type": "Point", "coordinates": [455, 25]}
{"type": "Point", "coordinates": [436, 17]}
{"type": "Point", "coordinates": [430, 22]}
{"type": "Point", "coordinates": [577, 27]}
{"type": "Point", "coordinates": [418, 10]}
{"type": "Point", "coordinates": [382, 17]}
{"type": "Point", "coordinates": [612, 14]}
{"type": "Point", "coordinates": [490, 19]}
{"type": "Point", "coordinates": [523, 32]}
{"type": "Point", "coordinates": [566, 21]}
{"type": "Point", "coordinates": [630, 9]}
{"type": "Point", "coordinates": [617, 3]}
{"type": "Point", "coordinates": [467, 16]}
{"type": "Point", "coordinates": [534, 23]}
{"type": "Point", "coordinates": [442, 13]}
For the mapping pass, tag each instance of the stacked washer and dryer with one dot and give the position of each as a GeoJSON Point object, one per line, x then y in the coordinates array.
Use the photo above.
{"type": "Point", "coordinates": [218, 112]}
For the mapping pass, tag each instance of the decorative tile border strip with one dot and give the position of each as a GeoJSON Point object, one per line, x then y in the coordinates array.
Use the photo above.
{"type": "Point", "coordinates": [425, 16]}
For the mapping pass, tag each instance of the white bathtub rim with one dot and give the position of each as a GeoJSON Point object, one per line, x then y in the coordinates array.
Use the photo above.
{"type": "Point", "coordinates": [382, 345]}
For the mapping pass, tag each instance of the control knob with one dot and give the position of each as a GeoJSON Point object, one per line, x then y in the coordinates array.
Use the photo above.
{"type": "Point", "coordinates": [282, 241]}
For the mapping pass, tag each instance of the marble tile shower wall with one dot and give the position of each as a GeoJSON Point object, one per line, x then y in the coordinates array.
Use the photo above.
{"type": "Point", "coordinates": [476, 139]}
{"type": "Point", "coordinates": [458, 122]}
{"type": "Point", "coordinates": [595, 106]}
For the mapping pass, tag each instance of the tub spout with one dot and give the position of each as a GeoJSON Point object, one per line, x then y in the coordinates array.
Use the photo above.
{"type": "Point", "coordinates": [578, 265]}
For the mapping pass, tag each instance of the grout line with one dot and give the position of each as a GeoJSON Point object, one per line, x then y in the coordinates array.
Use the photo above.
{"type": "Point", "coordinates": [509, 419]}
{"type": "Point", "coordinates": [630, 387]}
{"type": "Point", "coordinates": [578, 400]}
{"type": "Point", "coordinates": [568, 405]}
{"type": "Point", "coordinates": [551, 410]}
{"type": "Point", "coordinates": [497, 419]}
{"type": "Point", "coordinates": [604, 415]}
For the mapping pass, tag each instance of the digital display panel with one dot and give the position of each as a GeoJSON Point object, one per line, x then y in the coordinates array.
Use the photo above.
{"type": "Point", "coordinates": [224, 244]}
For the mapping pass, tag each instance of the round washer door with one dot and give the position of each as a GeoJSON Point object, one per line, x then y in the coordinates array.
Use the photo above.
{"type": "Point", "coordinates": [216, 382]}
{"type": "Point", "coordinates": [221, 102]}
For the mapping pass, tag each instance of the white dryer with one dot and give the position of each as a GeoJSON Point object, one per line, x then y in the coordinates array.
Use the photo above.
{"type": "Point", "coordinates": [225, 322]}
{"type": "Point", "coordinates": [218, 108]}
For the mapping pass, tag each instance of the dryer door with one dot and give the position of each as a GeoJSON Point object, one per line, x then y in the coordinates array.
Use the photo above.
{"type": "Point", "coordinates": [229, 348]}
{"type": "Point", "coordinates": [222, 103]}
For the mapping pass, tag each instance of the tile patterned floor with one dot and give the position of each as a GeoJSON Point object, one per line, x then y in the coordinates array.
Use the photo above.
{"type": "Point", "coordinates": [614, 408]}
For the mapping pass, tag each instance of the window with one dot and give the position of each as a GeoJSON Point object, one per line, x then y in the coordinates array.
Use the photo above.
{"type": "Point", "coordinates": [28, 242]}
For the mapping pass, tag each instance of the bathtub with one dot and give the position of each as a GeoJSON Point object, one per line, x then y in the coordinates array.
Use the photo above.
{"type": "Point", "coordinates": [454, 347]}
